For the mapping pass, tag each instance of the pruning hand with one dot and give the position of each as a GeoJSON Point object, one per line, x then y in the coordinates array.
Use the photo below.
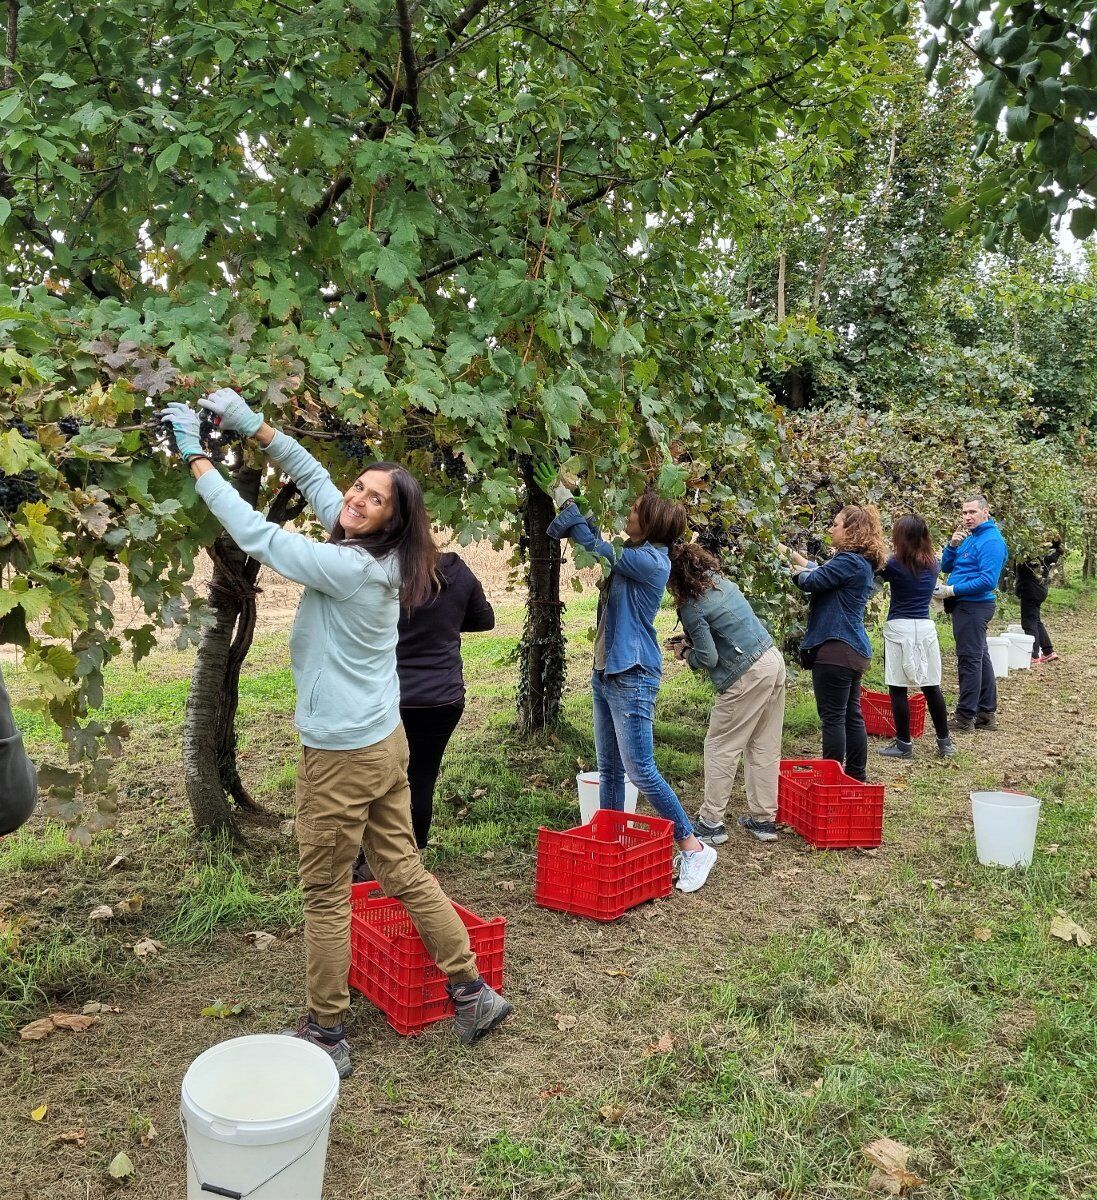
{"type": "Point", "coordinates": [943, 591]}
{"type": "Point", "coordinates": [547, 480]}
{"type": "Point", "coordinates": [184, 424]}
{"type": "Point", "coordinates": [231, 412]}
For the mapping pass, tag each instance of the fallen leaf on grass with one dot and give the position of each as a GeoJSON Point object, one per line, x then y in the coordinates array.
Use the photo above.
{"type": "Point", "coordinates": [612, 1114]}
{"type": "Point", "coordinates": [616, 973]}
{"type": "Point", "coordinates": [223, 1009]}
{"type": "Point", "coordinates": [149, 1136]}
{"type": "Point", "coordinates": [132, 904]}
{"type": "Point", "coordinates": [103, 912]}
{"type": "Point", "coordinates": [553, 1090]}
{"type": "Point", "coordinates": [899, 785]}
{"type": "Point", "coordinates": [39, 1113]}
{"type": "Point", "coordinates": [44, 1026]}
{"type": "Point", "coordinates": [479, 794]}
{"type": "Point", "coordinates": [981, 934]}
{"type": "Point", "coordinates": [1052, 848]}
{"type": "Point", "coordinates": [260, 939]}
{"type": "Point", "coordinates": [505, 885]}
{"type": "Point", "coordinates": [565, 1021]}
{"type": "Point", "coordinates": [937, 884]}
{"type": "Point", "coordinates": [97, 1006]}
{"type": "Point", "coordinates": [663, 1046]}
{"type": "Point", "coordinates": [816, 1086]}
{"type": "Point", "coordinates": [1068, 930]}
{"type": "Point", "coordinates": [147, 946]}
{"type": "Point", "coordinates": [488, 855]}
{"type": "Point", "coordinates": [286, 828]}
{"type": "Point", "coordinates": [74, 1137]}
{"type": "Point", "coordinates": [867, 851]}
{"type": "Point", "coordinates": [121, 1166]}
{"type": "Point", "coordinates": [890, 1160]}
{"type": "Point", "coordinates": [117, 861]}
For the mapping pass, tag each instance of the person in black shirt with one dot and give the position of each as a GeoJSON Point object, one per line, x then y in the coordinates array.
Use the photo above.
{"type": "Point", "coordinates": [18, 778]}
{"type": "Point", "coordinates": [432, 685]}
{"type": "Point", "coordinates": [1032, 588]}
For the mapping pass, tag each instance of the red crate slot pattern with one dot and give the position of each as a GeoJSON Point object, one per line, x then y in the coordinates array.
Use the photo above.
{"type": "Point", "coordinates": [603, 869]}
{"type": "Point", "coordinates": [876, 708]}
{"type": "Point", "coordinates": [828, 808]}
{"type": "Point", "coordinates": [390, 965]}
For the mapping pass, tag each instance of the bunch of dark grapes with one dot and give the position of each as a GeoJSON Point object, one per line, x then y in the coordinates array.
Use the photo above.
{"type": "Point", "coordinates": [347, 441]}
{"type": "Point", "coordinates": [18, 489]}
{"type": "Point", "coordinates": [70, 426]}
{"type": "Point", "coordinates": [446, 462]}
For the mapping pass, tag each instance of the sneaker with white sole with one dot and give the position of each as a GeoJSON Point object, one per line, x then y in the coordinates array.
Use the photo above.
{"type": "Point", "coordinates": [711, 835]}
{"type": "Point", "coordinates": [479, 1009]}
{"type": "Point", "coordinates": [332, 1041]}
{"type": "Point", "coordinates": [764, 831]}
{"type": "Point", "coordinates": [696, 866]}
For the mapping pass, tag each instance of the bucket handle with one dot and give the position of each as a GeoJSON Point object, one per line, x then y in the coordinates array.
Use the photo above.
{"type": "Point", "coordinates": [232, 1193]}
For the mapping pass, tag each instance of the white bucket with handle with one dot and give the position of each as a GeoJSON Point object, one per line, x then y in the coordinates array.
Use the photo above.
{"type": "Point", "coordinates": [999, 655]}
{"type": "Point", "coordinates": [255, 1113]}
{"type": "Point", "coordinates": [1020, 650]}
{"type": "Point", "coordinates": [588, 784]}
{"type": "Point", "coordinates": [1005, 827]}
{"type": "Point", "coordinates": [1015, 629]}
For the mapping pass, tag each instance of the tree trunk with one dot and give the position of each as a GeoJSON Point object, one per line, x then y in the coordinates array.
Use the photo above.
{"type": "Point", "coordinates": [210, 770]}
{"type": "Point", "coordinates": [781, 259]}
{"type": "Point", "coordinates": [541, 655]}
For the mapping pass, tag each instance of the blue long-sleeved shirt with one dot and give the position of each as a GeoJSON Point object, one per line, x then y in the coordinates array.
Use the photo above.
{"type": "Point", "coordinates": [975, 566]}
{"type": "Point", "coordinates": [343, 644]}
{"type": "Point", "coordinates": [638, 578]}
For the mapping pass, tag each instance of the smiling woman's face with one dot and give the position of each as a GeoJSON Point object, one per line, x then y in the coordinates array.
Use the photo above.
{"type": "Point", "coordinates": [367, 504]}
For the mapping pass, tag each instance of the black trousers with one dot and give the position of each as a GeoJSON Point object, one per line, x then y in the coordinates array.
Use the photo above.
{"type": "Point", "coordinates": [935, 703]}
{"type": "Point", "coordinates": [838, 699]}
{"type": "Point", "coordinates": [978, 690]}
{"type": "Point", "coordinates": [1034, 626]}
{"type": "Point", "coordinates": [428, 731]}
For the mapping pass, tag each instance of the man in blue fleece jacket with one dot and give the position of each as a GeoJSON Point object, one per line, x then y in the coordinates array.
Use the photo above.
{"type": "Point", "coordinates": [973, 561]}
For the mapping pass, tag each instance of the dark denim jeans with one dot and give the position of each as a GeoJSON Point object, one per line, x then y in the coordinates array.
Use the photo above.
{"type": "Point", "coordinates": [624, 719]}
{"type": "Point", "coordinates": [975, 671]}
{"type": "Point", "coordinates": [838, 699]}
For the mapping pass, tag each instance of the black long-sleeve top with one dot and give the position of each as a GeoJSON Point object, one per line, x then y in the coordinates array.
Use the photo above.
{"type": "Point", "coordinates": [428, 654]}
{"type": "Point", "coordinates": [1033, 573]}
{"type": "Point", "coordinates": [18, 778]}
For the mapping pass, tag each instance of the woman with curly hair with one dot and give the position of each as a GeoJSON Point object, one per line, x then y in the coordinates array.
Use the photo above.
{"type": "Point", "coordinates": [725, 638]}
{"type": "Point", "coordinates": [835, 646]}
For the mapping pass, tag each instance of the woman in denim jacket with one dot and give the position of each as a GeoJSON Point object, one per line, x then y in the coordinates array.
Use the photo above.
{"type": "Point", "coordinates": [628, 661]}
{"type": "Point", "coordinates": [836, 647]}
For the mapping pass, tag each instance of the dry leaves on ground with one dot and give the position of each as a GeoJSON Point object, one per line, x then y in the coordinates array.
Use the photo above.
{"type": "Point", "coordinates": [565, 1021]}
{"type": "Point", "coordinates": [121, 1165]}
{"type": "Point", "coordinates": [224, 1008]}
{"type": "Point", "coordinates": [663, 1046]}
{"type": "Point", "coordinates": [612, 1114]}
{"type": "Point", "coordinates": [147, 946]}
{"type": "Point", "coordinates": [132, 904]}
{"type": "Point", "coordinates": [981, 934]}
{"type": "Point", "coordinates": [890, 1160]}
{"type": "Point", "coordinates": [117, 861]}
{"type": "Point", "coordinates": [97, 1006]}
{"type": "Point", "coordinates": [102, 912]}
{"type": "Point", "coordinates": [44, 1026]}
{"type": "Point", "coordinates": [149, 1136]}
{"type": "Point", "coordinates": [1068, 930]}
{"type": "Point", "coordinates": [505, 885]}
{"type": "Point", "coordinates": [553, 1090]}
{"type": "Point", "coordinates": [74, 1137]}
{"type": "Point", "coordinates": [260, 939]}
{"type": "Point", "coordinates": [39, 1113]}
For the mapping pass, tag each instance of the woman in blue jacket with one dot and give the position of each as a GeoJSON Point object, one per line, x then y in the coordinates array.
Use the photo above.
{"type": "Point", "coordinates": [628, 660]}
{"type": "Point", "coordinates": [835, 646]}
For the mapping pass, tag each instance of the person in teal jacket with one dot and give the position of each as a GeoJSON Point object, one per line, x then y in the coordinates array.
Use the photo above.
{"type": "Point", "coordinates": [973, 561]}
{"type": "Point", "coordinates": [352, 781]}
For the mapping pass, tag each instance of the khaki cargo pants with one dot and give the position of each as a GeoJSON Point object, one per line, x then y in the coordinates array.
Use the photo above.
{"type": "Point", "coordinates": [352, 798]}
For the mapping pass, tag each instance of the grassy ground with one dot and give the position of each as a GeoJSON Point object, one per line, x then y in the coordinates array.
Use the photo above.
{"type": "Point", "coordinates": [814, 1001]}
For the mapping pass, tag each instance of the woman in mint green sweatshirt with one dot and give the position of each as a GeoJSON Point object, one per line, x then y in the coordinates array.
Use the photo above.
{"type": "Point", "coordinates": [352, 783]}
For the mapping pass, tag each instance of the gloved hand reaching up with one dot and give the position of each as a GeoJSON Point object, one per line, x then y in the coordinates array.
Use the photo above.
{"type": "Point", "coordinates": [547, 479]}
{"type": "Point", "coordinates": [184, 424]}
{"type": "Point", "coordinates": [232, 412]}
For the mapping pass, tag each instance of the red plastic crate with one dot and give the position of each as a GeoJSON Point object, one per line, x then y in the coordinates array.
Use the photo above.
{"type": "Point", "coordinates": [826, 807]}
{"type": "Point", "coordinates": [603, 869]}
{"type": "Point", "coordinates": [390, 965]}
{"type": "Point", "coordinates": [876, 708]}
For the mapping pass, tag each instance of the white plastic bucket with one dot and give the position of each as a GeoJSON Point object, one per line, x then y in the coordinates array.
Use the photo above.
{"type": "Point", "coordinates": [587, 783]}
{"type": "Point", "coordinates": [999, 655]}
{"type": "Point", "coordinates": [1015, 629]}
{"type": "Point", "coordinates": [1020, 650]}
{"type": "Point", "coordinates": [255, 1113]}
{"type": "Point", "coordinates": [1005, 827]}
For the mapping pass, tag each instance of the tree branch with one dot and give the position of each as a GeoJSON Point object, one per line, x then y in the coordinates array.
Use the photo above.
{"type": "Point", "coordinates": [13, 42]}
{"type": "Point", "coordinates": [410, 93]}
{"type": "Point", "coordinates": [341, 182]}
{"type": "Point", "coordinates": [462, 21]}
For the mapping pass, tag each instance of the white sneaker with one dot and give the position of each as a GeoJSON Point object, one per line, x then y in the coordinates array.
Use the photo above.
{"type": "Point", "coordinates": [696, 866]}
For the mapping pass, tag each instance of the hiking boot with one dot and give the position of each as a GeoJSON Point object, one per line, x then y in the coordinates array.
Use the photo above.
{"type": "Point", "coordinates": [362, 873]}
{"type": "Point", "coordinates": [696, 865]}
{"type": "Point", "coordinates": [960, 724]}
{"type": "Point", "coordinates": [764, 831]}
{"type": "Point", "coordinates": [946, 747]}
{"type": "Point", "coordinates": [987, 721]}
{"type": "Point", "coordinates": [897, 749]}
{"type": "Point", "coordinates": [712, 835]}
{"type": "Point", "coordinates": [333, 1042]}
{"type": "Point", "coordinates": [479, 1009]}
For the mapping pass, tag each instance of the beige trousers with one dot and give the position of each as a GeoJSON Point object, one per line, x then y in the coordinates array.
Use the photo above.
{"type": "Point", "coordinates": [746, 721]}
{"type": "Point", "coordinates": [352, 798]}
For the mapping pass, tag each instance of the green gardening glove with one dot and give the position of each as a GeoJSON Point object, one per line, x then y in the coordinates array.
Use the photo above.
{"type": "Point", "coordinates": [548, 481]}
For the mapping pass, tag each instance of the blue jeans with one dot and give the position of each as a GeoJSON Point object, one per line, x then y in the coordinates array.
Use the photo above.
{"type": "Point", "coordinates": [624, 719]}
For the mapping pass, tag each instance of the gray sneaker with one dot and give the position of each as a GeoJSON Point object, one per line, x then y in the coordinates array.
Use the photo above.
{"type": "Point", "coordinates": [332, 1041]}
{"type": "Point", "coordinates": [897, 749]}
{"type": "Point", "coordinates": [479, 1009]}
{"type": "Point", "coordinates": [714, 835]}
{"type": "Point", "coordinates": [946, 747]}
{"type": "Point", "coordinates": [764, 831]}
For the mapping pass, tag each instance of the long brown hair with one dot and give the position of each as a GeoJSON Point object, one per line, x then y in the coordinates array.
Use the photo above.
{"type": "Point", "coordinates": [662, 521]}
{"type": "Point", "coordinates": [407, 535]}
{"type": "Point", "coordinates": [863, 534]}
{"type": "Point", "coordinates": [693, 572]}
{"type": "Point", "coordinates": [913, 545]}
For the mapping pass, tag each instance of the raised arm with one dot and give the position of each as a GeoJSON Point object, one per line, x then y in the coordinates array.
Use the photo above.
{"type": "Point", "coordinates": [841, 569]}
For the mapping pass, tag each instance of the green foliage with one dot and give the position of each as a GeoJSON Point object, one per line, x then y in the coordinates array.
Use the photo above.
{"type": "Point", "coordinates": [1035, 101]}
